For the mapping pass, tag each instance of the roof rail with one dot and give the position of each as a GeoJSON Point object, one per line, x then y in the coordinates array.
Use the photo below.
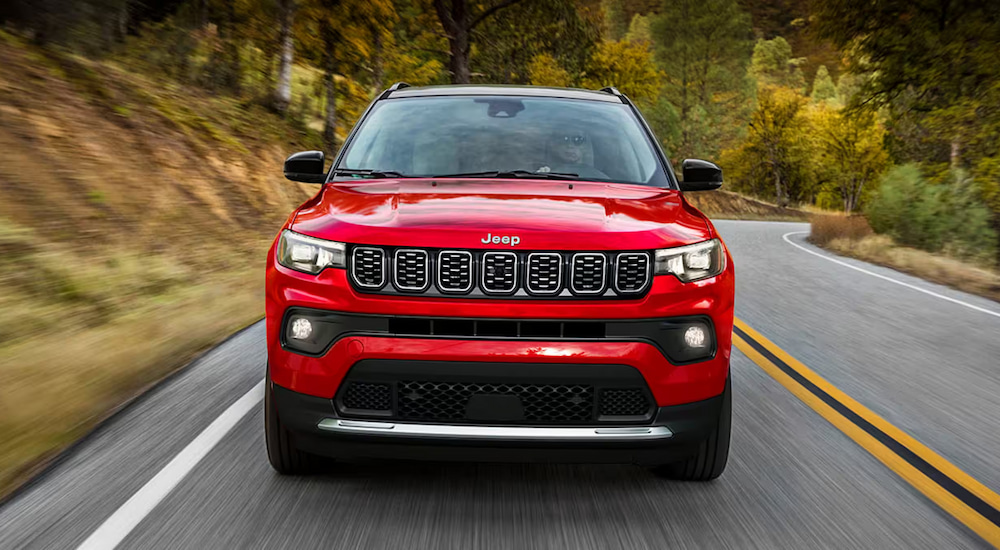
{"type": "Point", "coordinates": [610, 90]}
{"type": "Point", "coordinates": [393, 88]}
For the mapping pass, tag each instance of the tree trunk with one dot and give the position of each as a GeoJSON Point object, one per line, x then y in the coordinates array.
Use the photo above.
{"type": "Point", "coordinates": [330, 126]}
{"type": "Point", "coordinates": [378, 71]}
{"type": "Point", "coordinates": [956, 153]}
{"type": "Point", "coordinates": [777, 187]}
{"type": "Point", "coordinates": [283, 93]}
{"type": "Point", "coordinates": [330, 40]}
{"type": "Point", "coordinates": [459, 64]}
{"type": "Point", "coordinates": [458, 25]}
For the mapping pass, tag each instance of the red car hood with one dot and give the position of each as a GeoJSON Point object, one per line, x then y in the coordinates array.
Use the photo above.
{"type": "Point", "coordinates": [544, 215]}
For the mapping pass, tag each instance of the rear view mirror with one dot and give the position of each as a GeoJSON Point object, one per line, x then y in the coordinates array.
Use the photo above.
{"type": "Point", "coordinates": [700, 175]}
{"type": "Point", "coordinates": [306, 167]}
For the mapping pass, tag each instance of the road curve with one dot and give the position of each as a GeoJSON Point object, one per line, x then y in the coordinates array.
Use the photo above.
{"type": "Point", "coordinates": [924, 364]}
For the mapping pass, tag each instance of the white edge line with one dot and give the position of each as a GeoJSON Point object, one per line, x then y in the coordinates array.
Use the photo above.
{"type": "Point", "coordinates": [883, 277]}
{"type": "Point", "coordinates": [124, 520]}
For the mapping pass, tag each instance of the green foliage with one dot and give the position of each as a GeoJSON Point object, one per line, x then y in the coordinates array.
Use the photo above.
{"type": "Point", "coordinates": [932, 63]}
{"type": "Point", "coordinates": [544, 70]}
{"type": "Point", "coordinates": [934, 217]}
{"type": "Point", "coordinates": [823, 88]}
{"type": "Point", "coordinates": [615, 19]}
{"type": "Point", "coordinates": [704, 47]}
{"type": "Point", "coordinates": [627, 66]}
{"type": "Point", "coordinates": [640, 29]}
{"type": "Point", "coordinates": [506, 43]}
{"type": "Point", "coordinates": [773, 64]}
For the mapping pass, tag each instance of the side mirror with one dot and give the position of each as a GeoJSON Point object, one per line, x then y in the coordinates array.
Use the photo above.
{"type": "Point", "coordinates": [700, 175]}
{"type": "Point", "coordinates": [306, 167]}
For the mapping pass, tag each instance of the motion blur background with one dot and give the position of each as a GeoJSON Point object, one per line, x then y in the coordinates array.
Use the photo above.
{"type": "Point", "coordinates": [141, 145]}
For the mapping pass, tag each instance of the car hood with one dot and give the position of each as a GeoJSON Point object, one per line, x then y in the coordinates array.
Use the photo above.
{"type": "Point", "coordinates": [467, 213]}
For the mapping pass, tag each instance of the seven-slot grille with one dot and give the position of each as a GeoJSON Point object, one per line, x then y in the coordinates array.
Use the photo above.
{"type": "Point", "coordinates": [500, 273]}
{"type": "Point", "coordinates": [410, 270]}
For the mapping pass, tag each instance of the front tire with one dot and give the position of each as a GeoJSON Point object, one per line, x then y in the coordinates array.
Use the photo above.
{"type": "Point", "coordinates": [713, 453]}
{"type": "Point", "coordinates": [281, 451]}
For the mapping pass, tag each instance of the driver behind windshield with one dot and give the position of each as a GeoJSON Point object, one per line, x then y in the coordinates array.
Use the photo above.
{"type": "Point", "coordinates": [570, 151]}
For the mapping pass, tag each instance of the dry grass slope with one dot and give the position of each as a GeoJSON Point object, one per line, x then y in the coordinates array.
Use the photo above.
{"type": "Point", "coordinates": [732, 206]}
{"type": "Point", "coordinates": [852, 236]}
{"type": "Point", "coordinates": [134, 220]}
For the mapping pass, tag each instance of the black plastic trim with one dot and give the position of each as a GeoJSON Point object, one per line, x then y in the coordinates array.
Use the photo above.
{"type": "Point", "coordinates": [615, 330]}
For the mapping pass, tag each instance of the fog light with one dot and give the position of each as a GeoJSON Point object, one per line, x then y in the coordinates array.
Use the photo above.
{"type": "Point", "coordinates": [695, 337]}
{"type": "Point", "coordinates": [302, 328]}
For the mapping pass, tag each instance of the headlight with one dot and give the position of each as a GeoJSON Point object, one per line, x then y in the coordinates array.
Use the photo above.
{"type": "Point", "coordinates": [308, 254]}
{"type": "Point", "coordinates": [692, 262]}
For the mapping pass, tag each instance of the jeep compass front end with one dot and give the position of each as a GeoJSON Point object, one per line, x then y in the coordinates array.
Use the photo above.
{"type": "Point", "coordinates": [500, 273]}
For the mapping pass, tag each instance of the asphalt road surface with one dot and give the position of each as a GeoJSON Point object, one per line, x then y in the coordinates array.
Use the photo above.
{"type": "Point", "coordinates": [925, 364]}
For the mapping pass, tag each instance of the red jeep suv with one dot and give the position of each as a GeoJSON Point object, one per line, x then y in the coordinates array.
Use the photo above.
{"type": "Point", "coordinates": [500, 274]}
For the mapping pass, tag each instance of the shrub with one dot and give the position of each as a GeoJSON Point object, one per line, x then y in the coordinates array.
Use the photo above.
{"type": "Point", "coordinates": [949, 216]}
{"type": "Point", "coordinates": [826, 228]}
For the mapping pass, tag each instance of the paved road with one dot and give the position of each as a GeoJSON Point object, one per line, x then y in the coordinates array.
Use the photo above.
{"type": "Point", "coordinates": [794, 481]}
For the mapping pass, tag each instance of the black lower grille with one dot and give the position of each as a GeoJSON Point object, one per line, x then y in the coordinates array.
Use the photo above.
{"type": "Point", "coordinates": [549, 403]}
{"type": "Point", "coordinates": [624, 402]}
{"type": "Point", "coordinates": [495, 393]}
{"type": "Point", "coordinates": [363, 396]}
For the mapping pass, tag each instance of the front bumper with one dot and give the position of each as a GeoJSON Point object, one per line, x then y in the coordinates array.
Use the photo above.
{"type": "Point", "coordinates": [316, 427]}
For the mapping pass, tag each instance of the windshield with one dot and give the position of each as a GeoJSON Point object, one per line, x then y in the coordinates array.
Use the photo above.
{"type": "Point", "coordinates": [504, 136]}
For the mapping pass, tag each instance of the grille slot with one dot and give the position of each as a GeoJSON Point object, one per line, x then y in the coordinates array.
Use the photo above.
{"type": "Point", "coordinates": [499, 272]}
{"type": "Point", "coordinates": [631, 402]}
{"type": "Point", "coordinates": [410, 270]}
{"type": "Point", "coordinates": [454, 271]}
{"type": "Point", "coordinates": [368, 267]}
{"type": "Point", "coordinates": [365, 396]}
{"type": "Point", "coordinates": [632, 272]}
{"type": "Point", "coordinates": [542, 403]}
{"type": "Point", "coordinates": [544, 273]}
{"type": "Point", "coordinates": [588, 273]}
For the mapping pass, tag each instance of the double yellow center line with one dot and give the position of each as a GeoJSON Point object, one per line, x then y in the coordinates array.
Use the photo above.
{"type": "Point", "coordinates": [953, 490]}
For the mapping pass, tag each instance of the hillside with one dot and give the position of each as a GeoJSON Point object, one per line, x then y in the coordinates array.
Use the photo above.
{"type": "Point", "coordinates": [134, 220]}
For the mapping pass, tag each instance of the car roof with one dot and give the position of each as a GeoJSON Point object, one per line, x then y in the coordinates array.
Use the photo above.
{"type": "Point", "coordinates": [502, 90]}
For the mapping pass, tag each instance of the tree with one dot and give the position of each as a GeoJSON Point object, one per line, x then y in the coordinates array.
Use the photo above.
{"type": "Point", "coordinates": [458, 20]}
{"type": "Point", "coordinates": [627, 66]}
{"type": "Point", "coordinates": [283, 92]}
{"type": "Point", "coordinates": [544, 70]}
{"type": "Point", "coordinates": [776, 154]}
{"type": "Point", "coordinates": [937, 55]}
{"type": "Point", "coordinates": [773, 64]}
{"type": "Point", "coordinates": [506, 45]}
{"type": "Point", "coordinates": [705, 67]}
{"type": "Point", "coordinates": [823, 88]}
{"type": "Point", "coordinates": [850, 151]}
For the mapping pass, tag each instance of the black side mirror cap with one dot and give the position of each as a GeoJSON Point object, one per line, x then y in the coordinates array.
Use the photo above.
{"type": "Point", "coordinates": [700, 175]}
{"type": "Point", "coordinates": [306, 167]}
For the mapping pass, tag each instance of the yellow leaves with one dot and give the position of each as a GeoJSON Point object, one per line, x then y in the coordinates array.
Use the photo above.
{"type": "Point", "coordinates": [628, 66]}
{"type": "Point", "coordinates": [544, 70]}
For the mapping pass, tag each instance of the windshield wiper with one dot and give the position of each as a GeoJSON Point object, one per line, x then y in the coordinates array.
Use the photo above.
{"type": "Point", "coordinates": [369, 173]}
{"type": "Point", "coordinates": [513, 174]}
